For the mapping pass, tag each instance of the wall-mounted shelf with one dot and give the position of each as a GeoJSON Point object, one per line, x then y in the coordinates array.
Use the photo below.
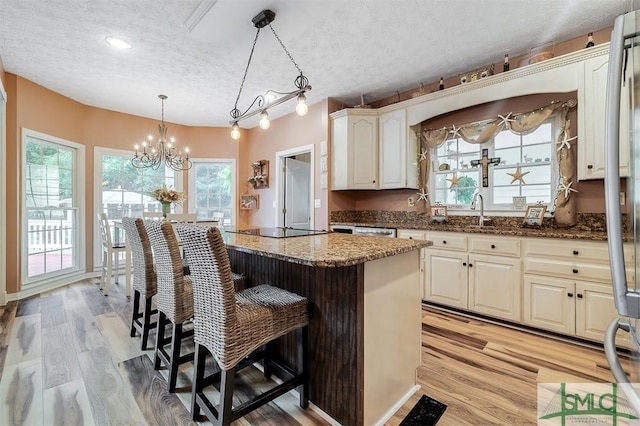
{"type": "Point", "coordinates": [260, 178]}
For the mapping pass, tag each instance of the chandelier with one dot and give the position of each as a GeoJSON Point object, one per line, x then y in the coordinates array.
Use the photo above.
{"type": "Point", "coordinates": [271, 98]}
{"type": "Point", "coordinates": [163, 150]}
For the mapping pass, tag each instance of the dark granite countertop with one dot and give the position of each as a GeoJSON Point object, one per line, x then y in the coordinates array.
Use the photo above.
{"type": "Point", "coordinates": [590, 226]}
{"type": "Point", "coordinates": [579, 234]}
{"type": "Point", "coordinates": [326, 251]}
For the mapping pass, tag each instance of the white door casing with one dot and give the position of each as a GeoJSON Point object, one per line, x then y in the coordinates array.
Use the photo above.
{"type": "Point", "coordinates": [281, 182]}
{"type": "Point", "coordinates": [296, 194]}
{"type": "Point", "coordinates": [3, 196]}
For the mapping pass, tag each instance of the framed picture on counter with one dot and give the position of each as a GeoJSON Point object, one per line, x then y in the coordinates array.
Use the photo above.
{"type": "Point", "coordinates": [439, 213]}
{"type": "Point", "coordinates": [534, 215]}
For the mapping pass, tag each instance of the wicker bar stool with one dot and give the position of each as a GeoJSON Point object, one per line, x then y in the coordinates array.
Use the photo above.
{"type": "Point", "coordinates": [175, 298]}
{"type": "Point", "coordinates": [144, 278]}
{"type": "Point", "coordinates": [231, 325]}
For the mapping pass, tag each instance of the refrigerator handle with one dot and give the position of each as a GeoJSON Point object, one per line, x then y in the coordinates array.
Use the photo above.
{"type": "Point", "coordinates": [614, 362]}
{"type": "Point", "coordinates": [626, 301]}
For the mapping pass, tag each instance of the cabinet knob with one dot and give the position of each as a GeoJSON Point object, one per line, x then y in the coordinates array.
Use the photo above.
{"type": "Point", "coordinates": [374, 181]}
{"type": "Point", "coordinates": [575, 271]}
{"type": "Point", "coordinates": [576, 252]}
{"type": "Point", "coordinates": [411, 238]}
{"type": "Point", "coordinates": [590, 166]}
{"type": "Point", "coordinates": [570, 294]}
{"type": "Point", "coordinates": [464, 263]}
{"type": "Point", "coordinates": [444, 241]}
{"type": "Point", "coordinates": [579, 295]}
{"type": "Point", "coordinates": [493, 246]}
{"type": "Point", "coordinates": [471, 265]}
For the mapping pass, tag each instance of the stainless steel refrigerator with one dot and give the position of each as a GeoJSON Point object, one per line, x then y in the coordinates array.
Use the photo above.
{"type": "Point", "coordinates": [624, 71]}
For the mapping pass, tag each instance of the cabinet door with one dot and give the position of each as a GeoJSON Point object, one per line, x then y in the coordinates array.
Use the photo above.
{"type": "Point", "coordinates": [595, 309]}
{"type": "Point", "coordinates": [363, 152]}
{"type": "Point", "coordinates": [393, 150]}
{"type": "Point", "coordinates": [549, 303]}
{"type": "Point", "coordinates": [495, 286]}
{"type": "Point", "coordinates": [446, 278]}
{"type": "Point", "coordinates": [592, 94]}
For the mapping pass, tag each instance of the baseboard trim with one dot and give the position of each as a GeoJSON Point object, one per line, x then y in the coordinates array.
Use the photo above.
{"type": "Point", "coordinates": [44, 287]}
{"type": "Point", "coordinates": [397, 406]}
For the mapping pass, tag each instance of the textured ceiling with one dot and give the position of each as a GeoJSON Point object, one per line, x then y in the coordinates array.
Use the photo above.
{"type": "Point", "coordinates": [195, 51]}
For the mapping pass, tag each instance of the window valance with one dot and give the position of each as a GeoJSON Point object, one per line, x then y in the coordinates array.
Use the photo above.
{"type": "Point", "coordinates": [520, 123]}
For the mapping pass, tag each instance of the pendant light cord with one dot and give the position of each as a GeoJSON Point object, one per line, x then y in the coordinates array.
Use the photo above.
{"type": "Point", "coordinates": [284, 48]}
{"type": "Point", "coordinates": [246, 70]}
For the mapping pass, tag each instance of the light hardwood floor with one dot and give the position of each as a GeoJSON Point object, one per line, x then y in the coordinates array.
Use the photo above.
{"type": "Point", "coordinates": [66, 358]}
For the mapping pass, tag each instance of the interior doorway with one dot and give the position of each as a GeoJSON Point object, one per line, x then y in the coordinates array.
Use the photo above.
{"type": "Point", "coordinates": [294, 187]}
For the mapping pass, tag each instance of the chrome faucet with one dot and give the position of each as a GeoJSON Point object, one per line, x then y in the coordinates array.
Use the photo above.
{"type": "Point", "coordinates": [483, 220]}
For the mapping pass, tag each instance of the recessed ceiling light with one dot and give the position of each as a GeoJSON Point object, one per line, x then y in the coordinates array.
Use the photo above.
{"type": "Point", "coordinates": [117, 42]}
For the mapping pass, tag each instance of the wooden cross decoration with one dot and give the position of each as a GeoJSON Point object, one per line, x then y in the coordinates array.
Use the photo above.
{"type": "Point", "coordinates": [485, 161]}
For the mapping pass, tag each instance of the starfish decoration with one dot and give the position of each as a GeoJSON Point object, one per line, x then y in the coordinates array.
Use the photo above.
{"type": "Point", "coordinates": [455, 130]}
{"type": "Point", "coordinates": [518, 175]}
{"type": "Point", "coordinates": [455, 181]}
{"type": "Point", "coordinates": [567, 189]}
{"type": "Point", "coordinates": [565, 142]}
{"type": "Point", "coordinates": [505, 120]}
{"type": "Point", "coordinates": [422, 196]}
{"type": "Point", "coordinates": [423, 155]}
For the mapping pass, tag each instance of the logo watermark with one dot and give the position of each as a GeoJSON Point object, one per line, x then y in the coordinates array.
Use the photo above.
{"type": "Point", "coordinates": [584, 404]}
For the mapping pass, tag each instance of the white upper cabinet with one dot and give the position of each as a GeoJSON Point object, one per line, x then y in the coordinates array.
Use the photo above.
{"type": "Point", "coordinates": [354, 149]}
{"type": "Point", "coordinates": [398, 152]}
{"type": "Point", "coordinates": [373, 153]}
{"type": "Point", "coordinates": [591, 112]}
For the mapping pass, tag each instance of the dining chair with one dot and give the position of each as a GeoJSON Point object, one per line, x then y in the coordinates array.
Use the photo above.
{"type": "Point", "coordinates": [145, 283]}
{"type": "Point", "coordinates": [231, 325]}
{"type": "Point", "coordinates": [182, 217]}
{"type": "Point", "coordinates": [152, 215]}
{"type": "Point", "coordinates": [111, 249]}
{"type": "Point", "coordinates": [174, 299]}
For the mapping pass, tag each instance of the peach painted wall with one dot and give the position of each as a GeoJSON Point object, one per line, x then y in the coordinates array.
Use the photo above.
{"type": "Point", "coordinates": [36, 108]}
{"type": "Point", "coordinates": [288, 132]}
{"type": "Point", "coordinates": [2, 72]}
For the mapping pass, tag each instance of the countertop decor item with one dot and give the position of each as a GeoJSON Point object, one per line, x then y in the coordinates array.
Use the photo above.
{"type": "Point", "coordinates": [271, 98]}
{"type": "Point", "coordinates": [535, 215]}
{"type": "Point", "coordinates": [153, 155]}
{"type": "Point", "coordinates": [439, 213]}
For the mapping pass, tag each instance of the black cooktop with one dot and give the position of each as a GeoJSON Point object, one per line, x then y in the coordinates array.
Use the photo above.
{"type": "Point", "coordinates": [277, 232]}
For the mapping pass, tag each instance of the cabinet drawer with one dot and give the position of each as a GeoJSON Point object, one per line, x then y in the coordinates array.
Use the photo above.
{"type": "Point", "coordinates": [495, 246]}
{"type": "Point", "coordinates": [447, 241]}
{"type": "Point", "coordinates": [580, 251]}
{"type": "Point", "coordinates": [411, 234]}
{"type": "Point", "coordinates": [572, 270]}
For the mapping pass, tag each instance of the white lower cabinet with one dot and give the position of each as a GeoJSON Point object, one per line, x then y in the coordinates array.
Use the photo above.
{"type": "Point", "coordinates": [495, 287]}
{"type": "Point", "coordinates": [563, 286]}
{"type": "Point", "coordinates": [446, 278]}
{"type": "Point", "coordinates": [458, 274]}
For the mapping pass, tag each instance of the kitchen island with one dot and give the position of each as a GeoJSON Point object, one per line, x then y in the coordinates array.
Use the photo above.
{"type": "Point", "coordinates": [364, 315]}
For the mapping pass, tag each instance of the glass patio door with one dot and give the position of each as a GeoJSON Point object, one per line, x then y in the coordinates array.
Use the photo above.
{"type": "Point", "coordinates": [51, 237]}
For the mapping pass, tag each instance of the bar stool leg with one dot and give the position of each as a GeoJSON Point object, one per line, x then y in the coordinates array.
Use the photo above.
{"type": "Point", "coordinates": [302, 335]}
{"type": "Point", "coordinates": [146, 323]}
{"type": "Point", "coordinates": [226, 397]}
{"type": "Point", "coordinates": [136, 312]}
{"type": "Point", "coordinates": [198, 379]}
{"type": "Point", "coordinates": [174, 361]}
{"type": "Point", "coordinates": [162, 320]}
